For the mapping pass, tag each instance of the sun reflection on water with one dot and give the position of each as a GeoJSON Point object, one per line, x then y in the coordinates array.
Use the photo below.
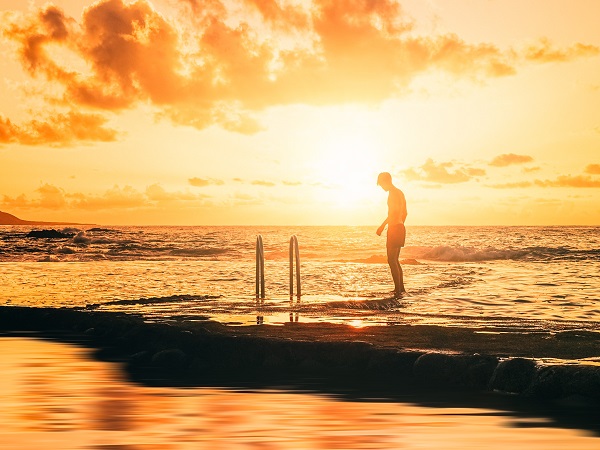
{"type": "Point", "coordinates": [357, 323]}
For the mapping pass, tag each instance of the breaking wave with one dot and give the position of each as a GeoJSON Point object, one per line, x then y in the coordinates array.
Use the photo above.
{"type": "Point", "coordinates": [463, 254]}
{"type": "Point", "coordinates": [318, 244]}
{"type": "Point", "coordinates": [413, 255]}
{"type": "Point", "coordinates": [466, 254]}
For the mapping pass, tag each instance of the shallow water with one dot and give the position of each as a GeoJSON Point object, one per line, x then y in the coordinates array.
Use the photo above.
{"type": "Point", "coordinates": [505, 277]}
{"type": "Point", "coordinates": [54, 396]}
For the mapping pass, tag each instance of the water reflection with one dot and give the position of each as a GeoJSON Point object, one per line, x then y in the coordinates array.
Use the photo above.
{"type": "Point", "coordinates": [294, 314]}
{"type": "Point", "coordinates": [262, 311]}
{"type": "Point", "coordinates": [49, 387]}
{"type": "Point", "coordinates": [260, 318]}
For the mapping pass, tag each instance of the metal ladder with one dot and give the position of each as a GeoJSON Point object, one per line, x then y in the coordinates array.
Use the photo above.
{"type": "Point", "coordinates": [260, 268]}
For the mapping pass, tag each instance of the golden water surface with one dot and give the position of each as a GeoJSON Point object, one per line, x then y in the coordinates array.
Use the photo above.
{"type": "Point", "coordinates": [55, 397]}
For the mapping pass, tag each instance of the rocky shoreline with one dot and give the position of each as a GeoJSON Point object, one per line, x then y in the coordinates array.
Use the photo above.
{"type": "Point", "coordinates": [205, 352]}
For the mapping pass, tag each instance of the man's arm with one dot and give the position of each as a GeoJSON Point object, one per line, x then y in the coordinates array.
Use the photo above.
{"type": "Point", "coordinates": [382, 227]}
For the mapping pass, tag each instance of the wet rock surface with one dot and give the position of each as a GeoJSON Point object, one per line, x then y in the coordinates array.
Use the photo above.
{"type": "Point", "coordinates": [513, 375]}
{"type": "Point", "coordinates": [471, 371]}
{"type": "Point", "coordinates": [565, 381]}
{"type": "Point", "coordinates": [49, 234]}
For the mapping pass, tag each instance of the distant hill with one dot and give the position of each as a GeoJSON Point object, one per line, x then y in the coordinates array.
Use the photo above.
{"type": "Point", "coordinates": [9, 219]}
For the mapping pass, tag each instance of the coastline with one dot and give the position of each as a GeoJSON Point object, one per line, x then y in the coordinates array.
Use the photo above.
{"type": "Point", "coordinates": [557, 367]}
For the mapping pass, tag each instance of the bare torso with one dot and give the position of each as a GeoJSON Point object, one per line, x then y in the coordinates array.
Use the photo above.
{"type": "Point", "coordinates": [396, 207]}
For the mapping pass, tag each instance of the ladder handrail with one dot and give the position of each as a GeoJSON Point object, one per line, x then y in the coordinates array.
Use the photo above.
{"type": "Point", "coordinates": [294, 251]}
{"type": "Point", "coordinates": [260, 268]}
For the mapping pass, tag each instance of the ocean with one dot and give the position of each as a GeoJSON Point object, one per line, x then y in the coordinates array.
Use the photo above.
{"type": "Point", "coordinates": [496, 280]}
{"type": "Point", "coordinates": [501, 278]}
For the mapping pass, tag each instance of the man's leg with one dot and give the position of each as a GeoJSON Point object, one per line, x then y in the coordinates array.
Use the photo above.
{"type": "Point", "coordinates": [393, 255]}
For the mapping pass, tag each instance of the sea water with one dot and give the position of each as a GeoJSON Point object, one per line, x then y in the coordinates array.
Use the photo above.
{"type": "Point", "coordinates": [505, 277]}
{"type": "Point", "coordinates": [508, 278]}
{"type": "Point", "coordinates": [55, 396]}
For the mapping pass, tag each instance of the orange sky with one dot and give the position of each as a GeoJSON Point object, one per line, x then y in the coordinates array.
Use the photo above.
{"type": "Point", "coordinates": [284, 111]}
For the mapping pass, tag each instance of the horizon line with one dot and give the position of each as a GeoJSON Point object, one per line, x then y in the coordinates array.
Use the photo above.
{"type": "Point", "coordinates": [287, 225]}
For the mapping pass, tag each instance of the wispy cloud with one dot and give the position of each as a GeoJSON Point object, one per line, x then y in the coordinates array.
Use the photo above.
{"type": "Point", "coordinates": [267, 183]}
{"type": "Point", "coordinates": [579, 181]}
{"type": "Point", "coordinates": [51, 197]}
{"type": "Point", "coordinates": [220, 62]}
{"type": "Point", "coordinates": [262, 183]}
{"type": "Point", "coordinates": [48, 197]}
{"type": "Point", "coordinates": [593, 169]}
{"type": "Point", "coordinates": [115, 198]}
{"type": "Point", "coordinates": [444, 173]}
{"type": "Point", "coordinates": [508, 159]}
{"type": "Point", "coordinates": [544, 52]}
{"type": "Point", "coordinates": [515, 185]}
{"type": "Point", "coordinates": [157, 193]}
{"type": "Point", "coordinates": [203, 182]}
{"type": "Point", "coordinates": [58, 129]}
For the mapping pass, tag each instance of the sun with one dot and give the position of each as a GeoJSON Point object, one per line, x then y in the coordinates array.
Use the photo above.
{"type": "Point", "coordinates": [347, 166]}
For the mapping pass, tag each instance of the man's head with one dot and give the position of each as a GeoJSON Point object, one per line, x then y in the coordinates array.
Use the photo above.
{"type": "Point", "coordinates": [384, 180]}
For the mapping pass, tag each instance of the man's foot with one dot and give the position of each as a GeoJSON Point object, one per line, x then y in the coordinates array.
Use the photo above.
{"type": "Point", "coordinates": [400, 294]}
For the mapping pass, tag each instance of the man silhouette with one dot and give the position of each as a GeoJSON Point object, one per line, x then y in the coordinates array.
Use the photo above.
{"type": "Point", "coordinates": [396, 233]}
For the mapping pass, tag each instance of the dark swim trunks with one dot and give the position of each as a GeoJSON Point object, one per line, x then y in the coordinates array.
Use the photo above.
{"type": "Point", "coordinates": [396, 235]}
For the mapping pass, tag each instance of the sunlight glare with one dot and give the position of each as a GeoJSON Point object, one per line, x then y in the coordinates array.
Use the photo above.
{"type": "Point", "coordinates": [347, 166]}
{"type": "Point", "coordinates": [357, 323]}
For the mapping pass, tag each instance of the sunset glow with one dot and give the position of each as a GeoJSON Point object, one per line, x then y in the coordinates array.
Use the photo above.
{"type": "Point", "coordinates": [187, 112]}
